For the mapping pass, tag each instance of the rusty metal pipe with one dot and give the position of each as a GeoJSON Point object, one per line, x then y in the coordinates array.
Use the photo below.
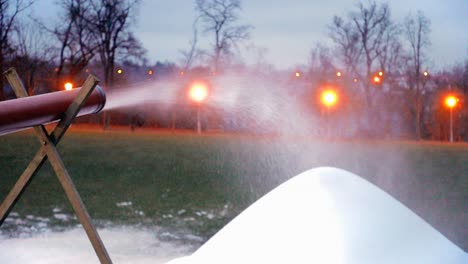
{"type": "Point", "coordinates": [22, 113]}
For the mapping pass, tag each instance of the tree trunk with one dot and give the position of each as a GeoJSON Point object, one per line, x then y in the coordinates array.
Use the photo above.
{"type": "Point", "coordinates": [105, 115]}
{"type": "Point", "coordinates": [173, 119]}
{"type": "Point", "coordinates": [418, 118]}
{"type": "Point", "coordinates": [216, 63]}
{"type": "Point", "coordinates": [2, 78]}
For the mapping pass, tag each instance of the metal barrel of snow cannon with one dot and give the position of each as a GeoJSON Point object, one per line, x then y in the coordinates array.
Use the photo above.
{"type": "Point", "coordinates": [22, 113]}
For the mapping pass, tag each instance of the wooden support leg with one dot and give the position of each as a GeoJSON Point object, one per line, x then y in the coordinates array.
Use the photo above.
{"type": "Point", "coordinates": [21, 185]}
{"type": "Point", "coordinates": [48, 150]}
{"type": "Point", "coordinates": [76, 202]}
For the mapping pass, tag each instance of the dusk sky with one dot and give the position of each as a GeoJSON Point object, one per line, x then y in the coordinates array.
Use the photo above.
{"type": "Point", "coordinates": [289, 29]}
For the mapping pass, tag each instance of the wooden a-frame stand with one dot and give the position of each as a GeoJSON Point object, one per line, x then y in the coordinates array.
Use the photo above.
{"type": "Point", "coordinates": [49, 151]}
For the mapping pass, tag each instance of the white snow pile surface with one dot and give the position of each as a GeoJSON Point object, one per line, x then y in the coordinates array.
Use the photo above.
{"type": "Point", "coordinates": [327, 215]}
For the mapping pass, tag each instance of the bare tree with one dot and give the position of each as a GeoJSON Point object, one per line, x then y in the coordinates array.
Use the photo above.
{"type": "Point", "coordinates": [111, 23]}
{"type": "Point", "coordinates": [33, 54]}
{"type": "Point", "coordinates": [189, 56]}
{"type": "Point", "coordinates": [367, 41]}
{"type": "Point", "coordinates": [361, 38]}
{"type": "Point", "coordinates": [321, 61]}
{"type": "Point", "coordinates": [371, 23]}
{"type": "Point", "coordinates": [347, 39]}
{"type": "Point", "coordinates": [391, 52]}
{"type": "Point", "coordinates": [77, 43]}
{"type": "Point", "coordinates": [220, 17]}
{"type": "Point", "coordinates": [9, 11]}
{"type": "Point", "coordinates": [417, 29]}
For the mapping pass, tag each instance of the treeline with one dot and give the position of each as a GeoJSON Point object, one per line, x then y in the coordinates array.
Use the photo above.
{"type": "Point", "coordinates": [85, 34]}
{"type": "Point", "coordinates": [412, 90]}
{"type": "Point", "coordinates": [92, 36]}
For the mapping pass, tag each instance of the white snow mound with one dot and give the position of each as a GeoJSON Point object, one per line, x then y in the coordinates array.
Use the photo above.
{"type": "Point", "coordinates": [327, 215]}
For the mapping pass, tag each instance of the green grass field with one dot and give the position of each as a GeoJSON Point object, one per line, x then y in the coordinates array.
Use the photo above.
{"type": "Point", "coordinates": [198, 183]}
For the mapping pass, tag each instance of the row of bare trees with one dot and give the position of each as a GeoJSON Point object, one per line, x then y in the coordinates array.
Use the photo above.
{"type": "Point", "coordinates": [91, 29]}
{"type": "Point", "coordinates": [368, 40]}
{"type": "Point", "coordinates": [101, 31]}
{"type": "Point", "coordinates": [87, 30]}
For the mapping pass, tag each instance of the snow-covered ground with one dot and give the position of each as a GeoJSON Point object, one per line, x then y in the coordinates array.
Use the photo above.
{"type": "Point", "coordinates": [325, 215]}
{"type": "Point", "coordinates": [125, 245]}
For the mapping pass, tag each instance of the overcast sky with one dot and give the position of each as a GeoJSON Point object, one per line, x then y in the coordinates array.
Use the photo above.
{"type": "Point", "coordinates": [289, 29]}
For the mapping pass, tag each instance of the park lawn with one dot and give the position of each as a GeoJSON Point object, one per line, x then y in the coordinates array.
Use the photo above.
{"type": "Point", "coordinates": [200, 182]}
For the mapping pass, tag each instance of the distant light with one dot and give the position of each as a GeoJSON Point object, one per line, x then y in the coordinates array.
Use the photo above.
{"type": "Point", "coordinates": [329, 98]}
{"type": "Point", "coordinates": [425, 73]}
{"type": "Point", "coordinates": [377, 79]}
{"type": "Point", "coordinates": [68, 86]}
{"type": "Point", "coordinates": [198, 92]}
{"type": "Point", "coordinates": [451, 101]}
{"type": "Point", "coordinates": [380, 73]}
{"type": "Point", "coordinates": [355, 80]}
{"type": "Point", "coordinates": [181, 73]}
{"type": "Point", "coordinates": [297, 74]}
{"type": "Point", "coordinates": [56, 69]}
{"type": "Point", "coordinates": [87, 70]}
{"type": "Point", "coordinates": [119, 71]}
{"type": "Point", "coordinates": [338, 74]}
{"type": "Point", "coordinates": [150, 72]}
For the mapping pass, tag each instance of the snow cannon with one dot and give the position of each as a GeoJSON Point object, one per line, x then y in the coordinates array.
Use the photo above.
{"type": "Point", "coordinates": [25, 112]}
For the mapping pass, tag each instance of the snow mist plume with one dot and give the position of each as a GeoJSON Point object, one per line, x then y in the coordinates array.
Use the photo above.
{"type": "Point", "coordinates": [265, 105]}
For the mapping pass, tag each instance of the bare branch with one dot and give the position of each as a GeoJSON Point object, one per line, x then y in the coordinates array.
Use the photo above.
{"type": "Point", "coordinates": [9, 11]}
{"type": "Point", "coordinates": [219, 17]}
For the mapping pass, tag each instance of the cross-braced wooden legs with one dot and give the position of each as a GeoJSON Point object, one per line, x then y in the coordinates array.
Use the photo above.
{"type": "Point", "coordinates": [49, 150]}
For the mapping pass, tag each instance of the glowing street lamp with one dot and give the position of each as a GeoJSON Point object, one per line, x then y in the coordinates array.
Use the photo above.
{"type": "Point", "coordinates": [68, 86]}
{"type": "Point", "coordinates": [297, 74]}
{"type": "Point", "coordinates": [377, 79]}
{"type": "Point", "coordinates": [338, 74]}
{"type": "Point", "coordinates": [198, 93]}
{"type": "Point", "coordinates": [451, 101]}
{"type": "Point", "coordinates": [119, 71]}
{"type": "Point", "coordinates": [425, 73]}
{"type": "Point", "coordinates": [329, 98]}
